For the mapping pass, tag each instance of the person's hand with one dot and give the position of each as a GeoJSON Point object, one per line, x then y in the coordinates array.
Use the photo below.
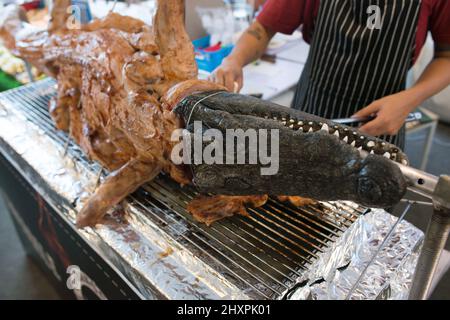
{"type": "Point", "coordinates": [391, 113]}
{"type": "Point", "coordinates": [229, 74]}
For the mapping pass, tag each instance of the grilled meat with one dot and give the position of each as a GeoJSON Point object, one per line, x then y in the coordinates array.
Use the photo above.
{"type": "Point", "coordinates": [125, 87]}
{"type": "Point", "coordinates": [296, 200]}
{"type": "Point", "coordinates": [211, 209]}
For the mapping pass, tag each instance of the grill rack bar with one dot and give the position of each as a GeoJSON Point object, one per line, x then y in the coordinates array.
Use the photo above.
{"type": "Point", "coordinates": [216, 237]}
{"type": "Point", "coordinates": [262, 254]}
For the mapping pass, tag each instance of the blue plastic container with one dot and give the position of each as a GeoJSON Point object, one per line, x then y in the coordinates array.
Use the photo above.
{"type": "Point", "coordinates": [208, 61]}
{"type": "Point", "coordinates": [83, 15]}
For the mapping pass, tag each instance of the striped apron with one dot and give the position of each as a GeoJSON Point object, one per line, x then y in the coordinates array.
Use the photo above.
{"type": "Point", "coordinates": [351, 63]}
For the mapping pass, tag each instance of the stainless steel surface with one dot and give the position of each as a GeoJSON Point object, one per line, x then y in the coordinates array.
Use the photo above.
{"type": "Point", "coordinates": [263, 256]}
{"type": "Point", "coordinates": [435, 240]}
{"type": "Point", "coordinates": [419, 181]}
{"type": "Point", "coordinates": [437, 190]}
{"type": "Point", "coordinates": [29, 71]}
{"type": "Point", "coordinates": [441, 195]}
{"type": "Point", "coordinates": [432, 127]}
{"type": "Point", "coordinates": [411, 117]}
{"type": "Point", "coordinates": [349, 121]}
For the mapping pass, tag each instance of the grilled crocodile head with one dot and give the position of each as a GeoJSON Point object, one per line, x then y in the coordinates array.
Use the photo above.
{"type": "Point", "coordinates": [316, 158]}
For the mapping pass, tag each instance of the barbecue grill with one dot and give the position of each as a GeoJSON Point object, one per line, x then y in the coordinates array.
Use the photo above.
{"type": "Point", "coordinates": [329, 250]}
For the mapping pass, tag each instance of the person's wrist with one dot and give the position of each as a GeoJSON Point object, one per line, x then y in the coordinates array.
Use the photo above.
{"type": "Point", "coordinates": [234, 60]}
{"type": "Point", "coordinates": [415, 97]}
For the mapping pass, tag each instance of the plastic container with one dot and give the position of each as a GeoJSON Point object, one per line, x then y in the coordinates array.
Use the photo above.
{"type": "Point", "coordinates": [208, 61]}
{"type": "Point", "coordinates": [83, 12]}
{"type": "Point", "coordinates": [30, 5]}
{"type": "Point", "coordinates": [8, 82]}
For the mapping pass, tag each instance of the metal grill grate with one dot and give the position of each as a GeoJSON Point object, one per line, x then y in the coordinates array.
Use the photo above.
{"type": "Point", "coordinates": [262, 254]}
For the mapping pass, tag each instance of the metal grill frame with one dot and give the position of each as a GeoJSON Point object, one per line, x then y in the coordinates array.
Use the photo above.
{"type": "Point", "coordinates": [262, 254]}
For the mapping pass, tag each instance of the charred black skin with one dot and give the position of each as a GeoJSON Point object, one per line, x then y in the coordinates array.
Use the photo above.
{"type": "Point", "coordinates": [317, 165]}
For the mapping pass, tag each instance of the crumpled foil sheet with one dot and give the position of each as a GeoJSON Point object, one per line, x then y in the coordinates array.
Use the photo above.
{"type": "Point", "coordinates": [157, 266]}
{"type": "Point", "coordinates": [337, 270]}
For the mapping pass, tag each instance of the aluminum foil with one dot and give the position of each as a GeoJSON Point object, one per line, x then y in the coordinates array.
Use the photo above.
{"type": "Point", "coordinates": [338, 273]}
{"type": "Point", "coordinates": [158, 266]}
{"type": "Point", "coordinates": [148, 258]}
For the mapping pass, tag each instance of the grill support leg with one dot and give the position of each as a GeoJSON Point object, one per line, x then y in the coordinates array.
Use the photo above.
{"type": "Point", "coordinates": [435, 240]}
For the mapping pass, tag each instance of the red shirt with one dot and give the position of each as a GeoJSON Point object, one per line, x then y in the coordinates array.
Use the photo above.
{"type": "Point", "coordinates": [286, 16]}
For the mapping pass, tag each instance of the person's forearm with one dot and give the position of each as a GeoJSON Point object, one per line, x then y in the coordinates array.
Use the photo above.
{"type": "Point", "coordinates": [252, 44]}
{"type": "Point", "coordinates": [433, 80]}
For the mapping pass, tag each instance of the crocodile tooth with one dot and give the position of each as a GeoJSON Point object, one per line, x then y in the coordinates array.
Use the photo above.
{"type": "Point", "coordinates": [291, 126]}
{"type": "Point", "coordinates": [325, 127]}
{"type": "Point", "coordinates": [336, 133]}
{"type": "Point", "coordinates": [310, 130]}
{"type": "Point", "coordinates": [353, 144]}
{"type": "Point", "coordinates": [300, 123]}
{"type": "Point", "coordinates": [387, 155]}
{"type": "Point", "coordinates": [345, 139]}
{"type": "Point", "coordinates": [372, 152]}
{"type": "Point", "coordinates": [370, 144]}
{"type": "Point", "coordinates": [404, 162]}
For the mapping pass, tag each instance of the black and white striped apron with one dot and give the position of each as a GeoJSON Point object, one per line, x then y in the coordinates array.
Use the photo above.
{"type": "Point", "coordinates": [351, 65]}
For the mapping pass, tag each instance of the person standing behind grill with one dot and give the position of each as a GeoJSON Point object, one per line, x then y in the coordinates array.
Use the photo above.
{"type": "Point", "coordinates": [361, 51]}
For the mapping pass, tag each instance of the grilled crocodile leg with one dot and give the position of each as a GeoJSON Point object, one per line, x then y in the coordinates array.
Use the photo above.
{"type": "Point", "coordinates": [115, 188]}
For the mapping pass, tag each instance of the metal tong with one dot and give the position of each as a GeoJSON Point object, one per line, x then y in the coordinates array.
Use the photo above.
{"type": "Point", "coordinates": [416, 116]}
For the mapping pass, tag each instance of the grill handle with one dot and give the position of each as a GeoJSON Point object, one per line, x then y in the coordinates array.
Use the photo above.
{"type": "Point", "coordinates": [436, 236]}
{"type": "Point", "coordinates": [419, 182]}
{"type": "Point", "coordinates": [438, 190]}
{"type": "Point", "coordinates": [434, 242]}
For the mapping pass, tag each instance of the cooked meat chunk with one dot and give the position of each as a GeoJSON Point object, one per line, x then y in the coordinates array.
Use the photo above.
{"type": "Point", "coordinates": [296, 201]}
{"type": "Point", "coordinates": [211, 209]}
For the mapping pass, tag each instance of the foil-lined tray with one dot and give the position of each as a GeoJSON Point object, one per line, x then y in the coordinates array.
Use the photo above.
{"type": "Point", "coordinates": [355, 267]}
{"type": "Point", "coordinates": [159, 265]}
